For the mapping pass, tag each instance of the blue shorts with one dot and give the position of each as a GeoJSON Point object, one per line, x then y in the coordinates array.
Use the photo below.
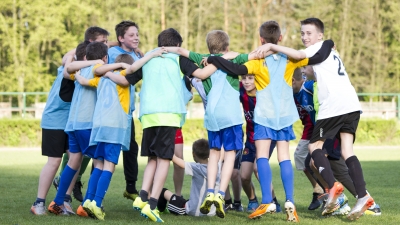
{"type": "Point", "coordinates": [231, 138]}
{"type": "Point", "coordinates": [249, 151]}
{"type": "Point", "coordinates": [79, 142]}
{"type": "Point", "coordinates": [107, 151]}
{"type": "Point", "coordinates": [262, 133]}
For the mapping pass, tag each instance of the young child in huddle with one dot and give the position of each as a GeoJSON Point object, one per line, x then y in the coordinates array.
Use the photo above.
{"type": "Point", "coordinates": [273, 115]}
{"type": "Point", "coordinates": [198, 170]}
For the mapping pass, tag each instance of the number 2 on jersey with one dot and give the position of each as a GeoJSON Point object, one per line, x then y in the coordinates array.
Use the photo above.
{"type": "Point", "coordinates": [341, 73]}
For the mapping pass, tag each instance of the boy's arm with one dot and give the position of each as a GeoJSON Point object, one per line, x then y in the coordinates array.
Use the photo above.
{"type": "Point", "coordinates": [178, 161]}
{"type": "Point", "coordinates": [188, 68]}
{"type": "Point", "coordinates": [178, 50]}
{"type": "Point", "coordinates": [112, 44]}
{"type": "Point", "coordinates": [109, 67]}
{"type": "Point", "coordinates": [82, 80]}
{"type": "Point", "coordinates": [70, 53]}
{"type": "Point", "coordinates": [227, 66]}
{"type": "Point", "coordinates": [117, 78]}
{"type": "Point", "coordinates": [138, 64]}
{"type": "Point", "coordinates": [77, 65]}
{"type": "Point", "coordinates": [323, 53]}
{"type": "Point", "coordinates": [68, 60]}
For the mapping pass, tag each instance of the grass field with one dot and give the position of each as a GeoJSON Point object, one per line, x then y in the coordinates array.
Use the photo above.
{"type": "Point", "coordinates": [20, 168]}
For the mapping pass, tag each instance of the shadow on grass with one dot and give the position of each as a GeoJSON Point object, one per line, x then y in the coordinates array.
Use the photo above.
{"type": "Point", "coordinates": [18, 187]}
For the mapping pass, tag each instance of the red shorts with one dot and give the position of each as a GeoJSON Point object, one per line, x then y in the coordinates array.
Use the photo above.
{"type": "Point", "coordinates": [179, 136]}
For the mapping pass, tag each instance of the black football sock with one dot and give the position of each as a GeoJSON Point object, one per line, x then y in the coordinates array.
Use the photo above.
{"type": "Point", "coordinates": [144, 195]}
{"type": "Point", "coordinates": [356, 174]}
{"type": "Point", "coordinates": [323, 166]}
{"type": "Point", "coordinates": [131, 187]}
{"type": "Point", "coordinates": [153, 203]}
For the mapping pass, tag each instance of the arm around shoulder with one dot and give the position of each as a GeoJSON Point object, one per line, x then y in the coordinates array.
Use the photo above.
{"type": "Point", "coordinates": [178, 161]}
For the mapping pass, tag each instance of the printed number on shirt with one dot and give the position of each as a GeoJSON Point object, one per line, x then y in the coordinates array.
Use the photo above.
{"type": "Point", "coordinates": [340, 72]}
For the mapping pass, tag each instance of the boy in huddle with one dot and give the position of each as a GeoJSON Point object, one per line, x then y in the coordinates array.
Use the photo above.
{"type": "Point", "coordinates": [54, 139]}
{"type": "Point", "coordinates": [338, 116]}
{"type": "Point", "coordinates": [248, 99]}
{"type": "Point", "coordinates": [110, 125]}
{"type": "Point", "coordinates": [224, 130]}
{"type": "Point", "coordinates": [198, 170]}
{"type": "Point", "coordinates": [80, 118]}
{"type": "Point", "coordinates": [274, 114]}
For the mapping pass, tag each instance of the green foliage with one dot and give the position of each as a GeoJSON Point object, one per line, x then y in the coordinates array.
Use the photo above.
{"type": "Point", "coordinates": [23, 132]}
{"type": "Point", "coordinates": [35, 34]}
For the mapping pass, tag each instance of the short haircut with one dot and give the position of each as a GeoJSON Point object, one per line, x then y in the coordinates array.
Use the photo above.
{"type": "Point", "coordinates": [297, 74]}
{"type": "Point", "coordinates": [201, 149]}
{"type": "Point", "coordinates": [217, 41]}
{"type": "Point", "coordinates": [124, 58]}
{"type": "Point", "coordinates": [81, 51]}
{"type": "Point", "coordinates": [314, 21]}
{"type": "Point", "coordinates": [96, 50]}
{"type": "Point", "coordinates": [121, 28]}
{"type": "Point", "coordinates": [93, 32]}
{"type": "Point", "coordinates": [270, 31]}
{"type": "Point", "coordinates": [169, 37]}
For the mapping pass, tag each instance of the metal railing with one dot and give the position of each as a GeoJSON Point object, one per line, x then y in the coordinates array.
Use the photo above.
{"type": "Point", "coordinates": [31, 104]}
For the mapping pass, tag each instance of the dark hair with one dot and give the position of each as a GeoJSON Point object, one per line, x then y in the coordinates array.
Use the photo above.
{"type": "Point", "coordinates": [93, 32]}
{"type": "Point", "coordinates": [96, 50]}
{"type": "Point", "coordinates": [80, 51]}
{"type": "Point", "coordinates": [121, 28]}
{"type": "Point", "coordinates": [124, 58]}
{"type": "Point", "coordinates": [314, 21]}
{"type": "Point", "coordinates": [270, 31]}
{"type": "Point", "coordinates": [297, 75]}
{"type": "Point", "coordinates": [169, 37]}
{"type": "Point", "coordinates": [217, 41]}
{"type": "Point", "coordinates": [200, 149]}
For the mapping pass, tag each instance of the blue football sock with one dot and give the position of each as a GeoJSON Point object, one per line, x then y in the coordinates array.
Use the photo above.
{"type": "Point", "coordinates": [102, 187]}
{"type": "Point", "coordinates": [265, 175]}
{"type": "Point", "coordinates": [65, 180]}
{"type": "Point", "coordinates": [287, 179]}
{"type": "Point", "coordinates": [222, 193]}
{"type": "Point", "coordinates": [210, 191]}
{"type": "Point", "coordinates": [92, 186]}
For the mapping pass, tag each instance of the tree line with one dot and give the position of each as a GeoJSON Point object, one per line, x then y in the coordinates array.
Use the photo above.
{"type": "Point", "coordinates": [35, 34]}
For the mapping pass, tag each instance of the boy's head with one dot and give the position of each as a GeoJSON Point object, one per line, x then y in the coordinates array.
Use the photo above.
{"type": "Point", "coordinates": [96, 34]}
{"type": "Point", "coordinates": [308, 71]}
{"type": "Point", "coordinates": [124, 58]}
{"type": "Point", "coordinates": [217, 41]}
{"type": "Point", "coordinates": [127, 34]}
{"type": "Point", "coordinates": [96, 50]}
{"type": "Point", "coordinates": [80, 51]}
{"type": "Point", "coordinates": [248, 82]}
{"type": "Point", "coordinates": [312, 31]}
{"type": "Point", "coordinates": [270, 32]}
{"type": "Point", "coordinates": [297, 80]}
{"type": "Point", "coordinates": [169, 37]}
{"type": "Point", "coordinates": [201, 150]}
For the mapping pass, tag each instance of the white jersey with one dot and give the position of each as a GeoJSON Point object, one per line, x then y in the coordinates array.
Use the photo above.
{"type": "Point", "coordinates": [336, 95]}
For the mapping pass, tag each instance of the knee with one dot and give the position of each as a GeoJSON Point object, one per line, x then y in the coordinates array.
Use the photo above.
{"type": "Point", "coordinates": [245, 179]}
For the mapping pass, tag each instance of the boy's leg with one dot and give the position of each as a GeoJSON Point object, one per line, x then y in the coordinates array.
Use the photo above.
{"type": "Point", "coordinates": [237, 182]}
{"type": "Point", "coordinates": [77, 189]}
{"type": "Point", "coordinates": [93, 180]}
{"type": "Point", "coordinates": [265, 177]}
{"type": "Point", "coordinates": [131, 166]}
{"type": "Point", "coordinates": [341, 173]}
{"type": "Point", "coordinates": [179, 172]}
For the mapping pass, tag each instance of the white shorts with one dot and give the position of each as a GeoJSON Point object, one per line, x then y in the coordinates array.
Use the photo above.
{"type": "Point", "coordinates": [300, 154]}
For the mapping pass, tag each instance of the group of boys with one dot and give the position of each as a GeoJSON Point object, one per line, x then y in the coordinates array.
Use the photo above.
{"type": "Point", "coordinates": [99, 122]}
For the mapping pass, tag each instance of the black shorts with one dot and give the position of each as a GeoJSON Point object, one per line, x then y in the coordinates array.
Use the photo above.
{"type": "Point", "coordinates": [159, 142]}
{"type": "Point", "coordinates": [332, 127]}
{"type": "Point", "coordinates": [54, 143]}
{"type": "Point", "coordinates": [176, 205]}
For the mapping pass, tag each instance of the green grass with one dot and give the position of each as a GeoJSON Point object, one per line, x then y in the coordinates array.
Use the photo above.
{"type": "Point", "coordinates": [19, 172]}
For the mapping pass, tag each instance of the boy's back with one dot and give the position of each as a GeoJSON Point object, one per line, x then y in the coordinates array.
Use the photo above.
{"type": "Point", "coordinates": [336, 94]}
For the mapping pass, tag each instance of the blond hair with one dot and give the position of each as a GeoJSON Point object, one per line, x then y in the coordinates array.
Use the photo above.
{"type": "Point", "coordinates": [217, 41]}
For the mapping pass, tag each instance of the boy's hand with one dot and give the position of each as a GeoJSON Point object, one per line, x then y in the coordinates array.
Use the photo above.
{"type": "Point", "coordinates": [108, 73]}
{"type": "Point", "coordinates": [204, 61]}
{"type": "Point", "coordinates": [125, 65]}
{"type": "Point", "coordinates": [159, 52]}
{"type": "Point", "coordinates": [99, 61]}
{"type": "Point", "coordinates": [230, 55]}
{"type": "Point", "coordinates": [262, 50]}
